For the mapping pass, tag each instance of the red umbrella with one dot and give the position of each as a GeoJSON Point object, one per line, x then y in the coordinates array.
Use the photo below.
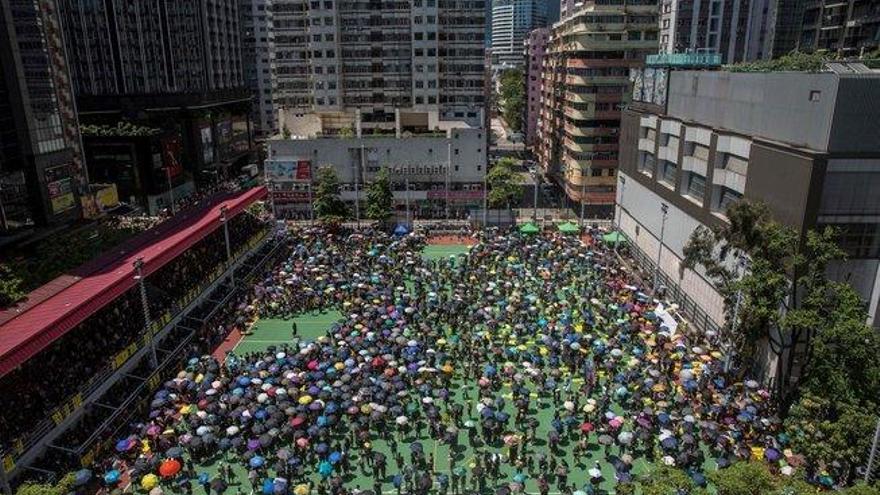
{"type": "Point", "coordinates": [587, 427]}
{"type": "Point", "coordinates": [296, 421]}
{"type": "Point", "coordinates": [378, 362]}
{"type": "Point", "coordinates": [169, 468]}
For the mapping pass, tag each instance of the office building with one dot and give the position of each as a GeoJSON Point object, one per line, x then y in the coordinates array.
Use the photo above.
{"type": "Point", "coordinates": [258, 56]}
{"type": "Point", "coordinates": [512, 20]}
{"type": "Point", "coordinates": [378, 66]}
{"type": "Point", "coordinates": [585, 84]}
{"type": "Point", "coordinates": [432, 176]}
{"type": "Point", "coordinates": [41, 169]}
{"type": "Point", "coordinates": [535, 45]}
{"type": "Point", "coordinates": [847, 28]}
{"type": "Point", "coordinates": [172, 65]}
{"type": "Point", "coordinates": [805, 144]}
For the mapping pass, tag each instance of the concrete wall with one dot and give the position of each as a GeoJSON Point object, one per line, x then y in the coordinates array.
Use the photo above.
{"type": "Point", "coordinates": [775, 106]}
{"type": "Point", "coordinates": [795, 204]}
{"type": "Point", "coordinates": [641, 218]}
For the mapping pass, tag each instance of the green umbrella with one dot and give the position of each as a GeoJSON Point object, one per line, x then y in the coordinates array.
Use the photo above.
{"type": "Point", "coordinates": [614, 237]}
{"type": "Point", "coordinates": [569, 228]}
{"type": "Point", "coordinates": [529, 228]}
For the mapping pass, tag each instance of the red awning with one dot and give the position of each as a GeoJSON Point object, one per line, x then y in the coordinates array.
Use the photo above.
{"type": "Point", "coordinates": [37, 326]}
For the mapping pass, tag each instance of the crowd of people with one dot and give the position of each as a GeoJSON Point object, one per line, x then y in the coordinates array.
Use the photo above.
{"type": "Point", "coordinates": [530, 363]}
{"type": "Point", "coordinates": [29, 394]}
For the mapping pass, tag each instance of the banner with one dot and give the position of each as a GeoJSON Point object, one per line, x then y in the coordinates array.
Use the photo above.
{"type": "Point", "coordinates": [304, 170]}
{"type": "Point", "coordinates": [61, 195]}
{"type": "Point", "coordinates": [289, 171]}
{"type": "Point", "coordinates": [456, 195]}
{"type": "Point", "coordinates": [171, 155]}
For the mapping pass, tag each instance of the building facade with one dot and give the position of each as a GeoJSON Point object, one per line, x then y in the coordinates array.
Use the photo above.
{"type": "Point", "coordinates": [732, 28]}
{"type": "Point", "coordinates": [166, 64]}
{"type": "Point", "coordinates": [431, 176]}
{"type": "Point", "coordinates": [535, 45]}
{"type": "Point", "coordinates": [258, 58]}
{"type": "Point", "coordinates": [585, 84]}
{"type": "Point", "coordinates": [512, 20]}
{"type": "Point", "coordinates": [41, 167]}
{"type": "Point", "coordinates": [804, 144]}
{"type": "Point", "coordinates": [378, 65]}
{"type": "Point", "coordinates": [847, 28]}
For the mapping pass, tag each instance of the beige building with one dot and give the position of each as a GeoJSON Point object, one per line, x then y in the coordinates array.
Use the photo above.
{"type": "Point", "coordinates": [585, 84]}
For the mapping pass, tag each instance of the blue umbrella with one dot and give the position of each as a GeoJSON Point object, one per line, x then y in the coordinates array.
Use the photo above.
{"type": "Point", "coordinates": [82, 477]}
{"type": "Point", "coordinates": [204, 478]}
{"type": "Point", "coordinates": [325, 469]}
{"type": "Point", "coordinates": [124, 445]}
{"type": "Point", "coordinates": [111, 477]}
{"type": "Point", "coordinates": [400, 230]}
{"type": "Point", "coordinates": [335, 457]}
{"type": "Point", "coordinates": [256, 461]}
{"type": "Point", "coordinates": [669, 443]}
{"type": "Point", "coordinates": [268, 486]}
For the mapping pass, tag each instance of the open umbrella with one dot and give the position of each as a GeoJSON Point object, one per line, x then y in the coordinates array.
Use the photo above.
{"type": "Point", "coordinates": [82, 477]}
{"type": "Point", "coordinates": [112, 477]}
{"type": "Point", "coordinates": [169, 468]}
{"type": "Point", "coordinates": [256, 461]}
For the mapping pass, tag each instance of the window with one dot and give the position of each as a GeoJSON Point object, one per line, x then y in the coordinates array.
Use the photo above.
{"type": "Point", "coordinates": [724, 197]}
{"type": "Point", "coordinates": [695, 186]}
{"type": "Point", "coordinates": [733, 163]}
{"type": "Point", "coordinates": [646, 163]}
{"type": "Point", "coordinates": [667, 173]}
{"type": "Point", "coordinates": [665, 23]}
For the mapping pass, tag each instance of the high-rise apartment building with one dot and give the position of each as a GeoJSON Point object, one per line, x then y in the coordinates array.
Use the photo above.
{"type": "Point", "coordinates": [848, 28]}
{"type": "Point", "coordinates": [378, 66]}
{"type": "Point", "coordinates": [735, 29]}
{"type": "Point", "coordinates": [512, 20]}
{"type": "Point", "coordinates": [535, 45]}
{"type": "Point", "coordinates": [585, 84]}
{"type": "Point", "coordinates": [258, 56]}
{"type": "Point", "coordinates": [41, 172]}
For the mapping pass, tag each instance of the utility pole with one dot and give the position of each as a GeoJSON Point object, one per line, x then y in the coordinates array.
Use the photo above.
{"type": "Point", "coordinates": [485, 197]}
{"type": "Point", "coordinates": [448, 167]}
{"type": "Point", "coordinates": [406, 183]}
{"type": "Point", "coordinates": [619, 218]}
{"type": "Point", "coordinates": [664, 208]}
{"type": "Point", "coordinates": [357, 191]}
{"type": "Point", "coordinates": [223, 220]}
{"type": "Point", "coordinates": [536, 181]}
{"type": "Point", "coordinates": [148, 322]}
{"type": "Point", "coordinates": [584, 190]}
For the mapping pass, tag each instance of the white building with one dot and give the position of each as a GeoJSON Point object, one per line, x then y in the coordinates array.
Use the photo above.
{"type": "Point", "coordinates": [512, 20]}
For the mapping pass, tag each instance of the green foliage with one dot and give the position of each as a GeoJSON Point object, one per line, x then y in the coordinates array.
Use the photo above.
{"type": "Point", "coordinates": [380, 198]}
{"type": "Point", "coordinates": [10, 286]}
{"type": "Point", "coordinates": [743, 478]}
{"type": "Point", "coordinates": [831, 433]}
{"type": "Point", "coordinates": [795, 486]}
{"type": "Point", "coordinates": [504, 188]}
{"type": "Point", "coordinates": [37, 263]}
{"type": "Point", "coordinates": [346, 132]}
{"type": "Point", "coordinates": [62, 487]}
{"type": "Point", "coordinates": [861, 489]}
{"type": "Point", "coordinates": [667, 480]}
{"type": "Point", "coordinates": [794, 61]}
{"type": "Point", "coordinates": [122, 128]}
{"type": "Point", "coordinates": [327, 204]}
{"type": "Point", "coordinates": [512, 99]}
{"type": "Point", "coordinates": [285, 132]}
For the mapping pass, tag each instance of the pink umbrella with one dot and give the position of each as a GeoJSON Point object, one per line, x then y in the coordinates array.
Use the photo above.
{"type": "Point", "coordinates": [615, 423]}
{"type": "Point", "coordinates": [154, 430]}
{"type": "Point", "coordinates": [302, 442]}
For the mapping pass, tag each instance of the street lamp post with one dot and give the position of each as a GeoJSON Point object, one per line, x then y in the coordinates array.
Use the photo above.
{"type": "Point", "coordinates": [536, 182]}
{"type": "Point", "coordinates": [148, 322]}
{"type": "Point", "coordinates": [664, 208]}
{"type": "Point", "coordinates": [170, 189]}
{"type": "Point", "coordinates": [406, 184]}
{"type": "Point", "coordinates": [223, 220]}
{"type": "Point", "coordinates": [269, 189]}
{"type": "Point", "coordinates": [619, 218]}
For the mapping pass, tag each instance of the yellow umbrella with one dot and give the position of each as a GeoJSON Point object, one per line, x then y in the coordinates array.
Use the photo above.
{"type": "Point", "coordinates": [305, 400]}
{"type": "Point", "coordinates": [301, 489]}
{"type": "Point", "coordinates": [149, 481]}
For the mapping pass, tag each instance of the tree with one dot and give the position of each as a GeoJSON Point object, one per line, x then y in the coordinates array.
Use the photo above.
{"type": "Point", "coordinates": [62, 487]}
{"type": "Point", "coordinates": [503, 186]}
{"type": "Point", "coordinates": [327, 204]}
{"type": "Point", "coordinates": [666, 480]}
{"type": "Point", "coordinates": [512, 98]}
{"type": "Point", "coordinates": [10, 287]}
{"type": "Point", "coordinates": [743, 478]}
{"type": "Point", "coordinates": [785, 294]}
{"type": "Point", "coordinates": [380, 198]}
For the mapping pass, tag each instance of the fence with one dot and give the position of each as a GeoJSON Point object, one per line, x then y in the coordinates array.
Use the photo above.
{"type": "Point", "coordinates": [695, 315]}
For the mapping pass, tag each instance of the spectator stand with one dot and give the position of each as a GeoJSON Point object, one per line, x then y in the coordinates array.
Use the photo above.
{"type": "Point", "coordinates": [174, 340]}
{"type": "Point", "coordinates": [24, 451]}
